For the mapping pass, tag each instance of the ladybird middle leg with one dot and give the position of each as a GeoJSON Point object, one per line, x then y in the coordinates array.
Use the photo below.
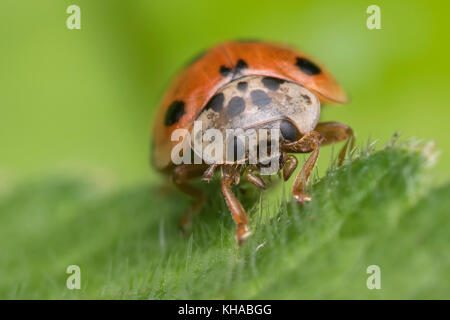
{"type": "Point", "coordinates": [230, 177]}
{"type": "Point", "coordinates": [308, 143]}
{"type": "Point", "coordinates": [254, 178]}
{"type": "Point", "coordinates": [333, 132]}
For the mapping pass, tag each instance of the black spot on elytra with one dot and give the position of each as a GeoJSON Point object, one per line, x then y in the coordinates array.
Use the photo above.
{"type": "Point", "coordinates": [272, 83]}
{"type": "Point", "coordinates": [241, 65]}
{"type": "Point", "coordinates": [216, 102]}
{"type": "Point", "coordinates": [174, 113]}
{"type": "Point", "coordinates": [307, 66]}
{"type": "Point", "coordinates": [235, 106]}
{"type": "Point", "coordinates": [260, 98]}
{"type": "Point", "coordinates": [307, 98]}
{"type": "Point", "coordinates": [288, 131]}
{"type": "Point", "coordinates": [225, 71]}
{"type": "Point", "coordinates": [242, 86]}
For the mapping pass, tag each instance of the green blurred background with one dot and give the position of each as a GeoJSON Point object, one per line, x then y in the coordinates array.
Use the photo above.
{"type": "Point", "coordinates": [82, 101]}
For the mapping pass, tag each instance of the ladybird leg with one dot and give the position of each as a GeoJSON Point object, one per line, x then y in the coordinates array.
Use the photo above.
{"type": "Point", "coordinates": [308, 143]}
{"type": "Point", "coordinates": [289, 166]}
{"type": "Point", "coordinates": [254, 178]}
{"type": "Point", "coordinates": [230, 176]}
{"type": "Point", "coordinates": [181, 175]}
{"type": "Point", "coordinates": [333, 132]}
{"type": "Point", "coordinates": [209, 173]}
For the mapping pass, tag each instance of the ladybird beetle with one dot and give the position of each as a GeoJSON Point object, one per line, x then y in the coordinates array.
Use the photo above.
{"type": "Point", "coordinates": [248, 84]}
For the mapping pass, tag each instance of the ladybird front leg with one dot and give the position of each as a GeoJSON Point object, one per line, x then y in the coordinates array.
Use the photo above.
{"type": "Point", "coordinates": [308, 143]}
{"type": "Point", "coordinates": [230, 177]}
{"type": "Point", "coordinates": [333, 132]}
{"type": "Point", "coordinates": [289, 166]}
{"type": "Point", "coordinates": [181, 175]}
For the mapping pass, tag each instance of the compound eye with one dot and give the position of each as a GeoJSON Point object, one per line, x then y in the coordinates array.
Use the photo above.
{"type": "Point", "coordinates": [289, 131]}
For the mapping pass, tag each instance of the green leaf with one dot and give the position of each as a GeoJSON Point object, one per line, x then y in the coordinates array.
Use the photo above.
{"type": "Point", "coordinates": [378, 209]}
